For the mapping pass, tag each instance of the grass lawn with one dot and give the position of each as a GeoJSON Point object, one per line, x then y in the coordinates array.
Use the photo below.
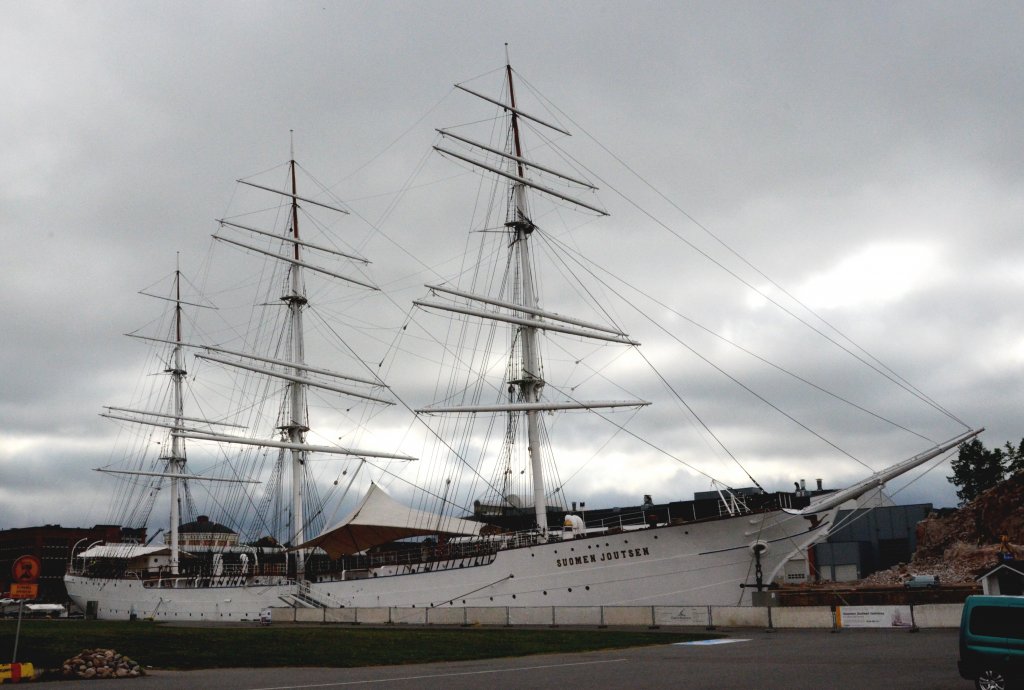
{"type": "Point", "coordinates": [47, 643]}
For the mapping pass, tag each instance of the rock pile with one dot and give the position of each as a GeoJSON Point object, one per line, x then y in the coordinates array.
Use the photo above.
{"type": "Point", "coordinates": [961, 545]}
{"type": "Point", "coordinates": [101, 663]}
{"type": "Point", "coordinates": [959, 564]}
{"type": "Point", "coordinates": [983, 521]}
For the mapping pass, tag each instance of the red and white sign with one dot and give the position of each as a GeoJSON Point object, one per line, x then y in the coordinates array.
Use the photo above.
{"type": "Point", "coordinates": [25, 578]}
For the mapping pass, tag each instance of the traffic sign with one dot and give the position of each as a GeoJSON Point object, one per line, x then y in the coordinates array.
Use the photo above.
{"type": "Point", "coordinates": [25, 584]}
{"type": "Point", "coordinates": [26, 569]}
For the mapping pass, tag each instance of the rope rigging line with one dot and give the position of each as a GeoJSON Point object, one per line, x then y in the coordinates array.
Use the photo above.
{"type": "Point", "coordinates": [736, 381]}
{"type": "Point", "coordinates": [646, 442]}
{"type": "Point", "coordinates": [745, 351]}
{"type": "Point", "coordinates": [874, 364]}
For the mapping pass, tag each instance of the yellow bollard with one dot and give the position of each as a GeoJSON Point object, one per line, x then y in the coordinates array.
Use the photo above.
{"type": "Point", "coordinates": [16, 673]}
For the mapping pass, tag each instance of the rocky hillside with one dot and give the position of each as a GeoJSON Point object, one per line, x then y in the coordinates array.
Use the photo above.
{"type": "Point", "coordinates": [955, 547]}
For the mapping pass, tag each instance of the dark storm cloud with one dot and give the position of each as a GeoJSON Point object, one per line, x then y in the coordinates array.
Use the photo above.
{"type": "Point", "coordinates": [802, 134]}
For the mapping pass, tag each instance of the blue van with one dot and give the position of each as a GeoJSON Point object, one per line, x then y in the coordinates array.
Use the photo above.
{"type": "Point", "coordinates": [992, 641]}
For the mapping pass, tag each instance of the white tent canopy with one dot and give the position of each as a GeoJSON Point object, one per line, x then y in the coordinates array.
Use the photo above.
{"type": "Point", "coordinates": [379, 519]}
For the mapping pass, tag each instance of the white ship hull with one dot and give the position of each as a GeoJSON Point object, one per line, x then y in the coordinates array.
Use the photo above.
{"type": "Point", "coordinates": [701, 563]}
{"type": "Point", "coordinates": [123, 599]}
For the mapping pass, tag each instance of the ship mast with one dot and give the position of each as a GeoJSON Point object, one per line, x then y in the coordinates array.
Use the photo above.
{"type": "Point", "coordinates": [176, 462]}
{"type": "Point", "coordinates": [294, 421]}
{"type": "Point", "coordinates": [526, 382]}
{"type": "Point", "coordinates": [176, 422]}
{"type": "Point", "coordinates": [297, 424]}
{"type": "Point", "coordinates": [529, 383]}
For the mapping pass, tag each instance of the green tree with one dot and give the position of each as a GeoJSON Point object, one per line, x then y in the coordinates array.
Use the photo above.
{"type": "Point", "coordinates": [977, 468]}
{"type": "Point", "coordinates": [1014, 458]}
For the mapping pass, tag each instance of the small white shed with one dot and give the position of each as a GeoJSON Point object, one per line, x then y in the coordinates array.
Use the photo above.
{"type": "Point", "coordinates": [1005, 578]}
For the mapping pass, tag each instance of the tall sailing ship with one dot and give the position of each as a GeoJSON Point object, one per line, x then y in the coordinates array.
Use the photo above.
{"type": "Point", "coordinates": [518, 543]}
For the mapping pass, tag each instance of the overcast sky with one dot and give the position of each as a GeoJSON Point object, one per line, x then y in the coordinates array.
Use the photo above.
{"type": "Point", "coordinates": [866, 156]}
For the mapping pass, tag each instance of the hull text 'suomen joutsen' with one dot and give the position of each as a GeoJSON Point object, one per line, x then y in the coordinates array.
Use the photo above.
{"type": "Point", "coordinates": [479, 517]}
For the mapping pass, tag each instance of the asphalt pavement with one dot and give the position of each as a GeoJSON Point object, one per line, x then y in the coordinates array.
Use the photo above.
{"type": "Point", "coordinates": [790, 659]}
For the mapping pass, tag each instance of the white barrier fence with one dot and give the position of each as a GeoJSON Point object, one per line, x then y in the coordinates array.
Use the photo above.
{"type": "Point", "coordinates": [708, 617]}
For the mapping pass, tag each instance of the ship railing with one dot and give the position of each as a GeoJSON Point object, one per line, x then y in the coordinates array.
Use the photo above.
{"type": "Point", "coordinates": [314, 595]}
{"type": "Point", "coordinates": [620, 520]}
{"type": "Point", "coordinates": [228, 573]}
{"type": "Point", "coordinates": [202, 581]}
{"type": "Point", "coordinates": [466, 551]}
{"type": "Point", "coordinates": [732, 505]}
{"type": "Point", "coordinates": [451, 550]}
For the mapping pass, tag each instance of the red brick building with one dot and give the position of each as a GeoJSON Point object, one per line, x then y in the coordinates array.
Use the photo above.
{"type": "Point", "coordinates": [52, 545]}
